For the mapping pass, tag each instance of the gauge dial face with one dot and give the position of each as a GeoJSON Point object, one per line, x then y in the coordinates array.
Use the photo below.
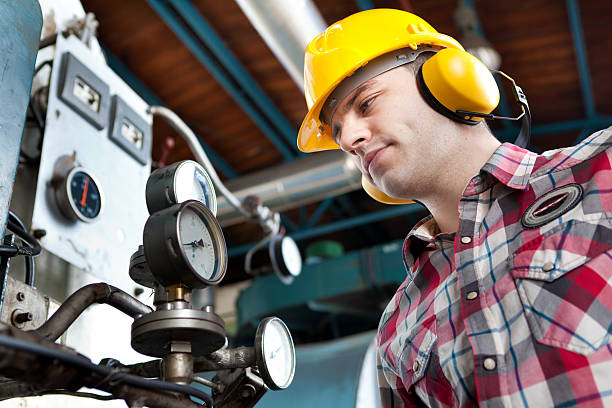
{"type": "Point", "coordinates": [197, 244]}
{"type": "Point", "coordinates": [278, 353]}
{"type": "Point", "coordinates": [191, 182]}
{"type": "Point", "coordinates": [291, 256]}
{"type": "Point", "coordinates": [84, 195]}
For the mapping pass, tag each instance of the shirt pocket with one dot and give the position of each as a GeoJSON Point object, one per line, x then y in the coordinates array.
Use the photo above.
{"type": "Point", "coordinates": [414, 358]}
{"type": "Point", "coordinates": [564, 281]}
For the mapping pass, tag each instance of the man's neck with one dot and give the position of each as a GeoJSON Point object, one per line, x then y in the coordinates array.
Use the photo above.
{"type": "Point", "coordinates": [472, 151]}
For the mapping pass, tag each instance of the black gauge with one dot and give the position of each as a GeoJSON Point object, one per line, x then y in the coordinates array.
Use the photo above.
{"type": "Point", "coordinates": [184, 244]}
{"type": "Point", "coordinates": [79, 196]}
{"type": "Point", "coordinates": [177, 183]}
{"type": "Point", "coordinates": [275, 353]}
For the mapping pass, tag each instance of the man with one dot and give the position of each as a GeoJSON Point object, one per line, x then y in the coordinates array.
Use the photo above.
{"type": "Point", "coordinates": [508, 295]}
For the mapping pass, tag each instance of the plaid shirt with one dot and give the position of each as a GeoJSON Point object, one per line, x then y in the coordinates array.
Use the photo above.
{"type": "Point", "coordinates": [515, 309]}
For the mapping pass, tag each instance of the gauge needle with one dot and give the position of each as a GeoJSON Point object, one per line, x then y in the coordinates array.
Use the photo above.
{"type": "Point", "coordinates": [196, 243]}
{"type": "Point", "coordinates": [273, 353]}
{"type": "Point", "coordinates": [84, 196]}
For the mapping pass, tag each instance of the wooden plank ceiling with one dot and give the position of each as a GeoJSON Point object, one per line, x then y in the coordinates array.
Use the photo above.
{"type": "Point", "coordinates": [534, 39]}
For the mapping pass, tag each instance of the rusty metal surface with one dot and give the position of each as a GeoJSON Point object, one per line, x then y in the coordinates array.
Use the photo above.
{"type": "Point", "coordinates": [21, 299]}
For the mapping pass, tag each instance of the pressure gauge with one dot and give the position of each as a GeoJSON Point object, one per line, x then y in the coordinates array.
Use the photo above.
{"type": "Point", "coordinates": [286, 258]}
{"type": "Point", "coordinates": [179, 182]}
{"type": "Point", "coordinates": [79, 196]}
{"type": "Point", "coordinates": [275, 353]}
{"type": "Point", "coordinates": [184, 244]}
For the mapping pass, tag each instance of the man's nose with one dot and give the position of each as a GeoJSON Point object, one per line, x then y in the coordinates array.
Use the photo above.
{"type": "Point", "coordinates": [353, 134]}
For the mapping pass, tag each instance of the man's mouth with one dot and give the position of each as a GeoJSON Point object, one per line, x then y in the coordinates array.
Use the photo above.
{"type": "Point", "coordinates": [371, 159]}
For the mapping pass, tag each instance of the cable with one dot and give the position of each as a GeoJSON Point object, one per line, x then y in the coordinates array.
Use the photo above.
{"type": "Point", "coordinates": [110, 375]}
{"type": "Point", "coordinates": [79, 394]}
{"type": "Point", "coordinates": [30, 267]}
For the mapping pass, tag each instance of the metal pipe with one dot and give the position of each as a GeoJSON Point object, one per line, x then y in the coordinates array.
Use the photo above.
{"type": "Point", "coordinates": [287, 29]}
{"type": "Point", "coordinates": [80, 300]}
{"type": "Point", "coordinates": [291, 185]}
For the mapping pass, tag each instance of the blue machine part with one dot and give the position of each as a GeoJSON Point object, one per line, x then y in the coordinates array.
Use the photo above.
{"type": "Point", "coordinates": [339, 374]}
{"type": "Point", "coordinates": [329, 299]}
{"type": "Point", "coordinates": [20, 25]}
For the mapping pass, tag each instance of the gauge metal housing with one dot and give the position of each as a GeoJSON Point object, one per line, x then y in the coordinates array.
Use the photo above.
{"type": "Point", "coordinates": [260, 353]}
{"type": "Point", "coordinates": [177, 183]}
{"type": "Point", "coordinates": [65, 199]}
{"type": "Point", "coordinates": [165, 253]}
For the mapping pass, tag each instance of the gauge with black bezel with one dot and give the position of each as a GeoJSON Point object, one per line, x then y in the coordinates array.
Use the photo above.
{"type": "Point", "coordinates": [179, 182]}
{"type": "Point", "coordinates": [184, 244]}
{"type": "Point", "coordinates": [79, 195]}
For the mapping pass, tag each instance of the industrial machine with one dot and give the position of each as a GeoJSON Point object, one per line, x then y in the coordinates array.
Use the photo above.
{"type": "Point", "coordinates": [86, 203]}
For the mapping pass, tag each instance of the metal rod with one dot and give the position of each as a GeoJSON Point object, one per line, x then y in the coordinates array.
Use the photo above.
{"type": "Point", "coordinates": [573, 12]}
{"type": "Point", "coordinates": [80, 300]}
{"type": "Point", "coordinates": [219, 74]}
{"type": "Point", "coordinates": [319, 212]}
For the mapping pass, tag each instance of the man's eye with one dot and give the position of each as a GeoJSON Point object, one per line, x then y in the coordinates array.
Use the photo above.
{"type": "Point", "coordinates": [363, 107]}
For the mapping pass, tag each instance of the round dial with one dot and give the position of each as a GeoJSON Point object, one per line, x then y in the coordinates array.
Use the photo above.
{"type": "Point", "coordinates": [198, 245]}
{"type": "Point", "coordinates": [80, 197]}
{"type": "Point", "coordinates": [191, 182]}
{"type": "Point", "coordinates": [286, 258]}
{"type": "Point", "coordinates": [275, 353]}
{"type": "Point", "coordinates": [184, 244]}
{"type": "Point", "coordinates": [177, 183]}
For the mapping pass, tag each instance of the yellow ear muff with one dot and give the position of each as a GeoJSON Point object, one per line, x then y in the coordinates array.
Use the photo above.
{"type": "Point", "coordinates": [454, 80]}
{"type": "Point", "coordinates": [379, 196]}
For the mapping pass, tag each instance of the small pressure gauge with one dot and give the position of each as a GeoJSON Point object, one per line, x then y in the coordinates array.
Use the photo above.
{"type": "Point", "coordinates": [179, 182]}
{"type": "Point", "coordinates": [275, 353]}
{"type": "Point", "coordinates": [286, 258]}
{"type": "Point", "coordinates": [184, 244]}
{"type": "Point", "coordinates": [79, 196]}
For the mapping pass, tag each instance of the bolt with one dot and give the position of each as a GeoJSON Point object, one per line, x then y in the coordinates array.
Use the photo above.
{"type": "Point", "coordinates": [138, 291]}
{"type": "Point", "coordinates": [20, 296]}
{"type": "Point", "coordinates": [23, 317]}
{"type": "Point", "coordinates": [247, 391]}
{"type": "Point", "coordinates": [39, 233]}
{"type": "Point", "coordinates": [208, 309]}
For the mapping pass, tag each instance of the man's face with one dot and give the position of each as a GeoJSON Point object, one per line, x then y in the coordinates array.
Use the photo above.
{"type": "Point", "coordinates": [392, 133]}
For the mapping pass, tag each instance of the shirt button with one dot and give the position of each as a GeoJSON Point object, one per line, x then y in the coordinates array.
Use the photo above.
{"type": "Point", "coordinates": [416, 366]}
{"type": "Point", "coordinates": [489, 364]}
{"type": "Point", "coordinates": [548, 266]}
{"type": "Point", "coordinates": [472, 295]}
{"type": "Point", "coordinates": [466, 240]}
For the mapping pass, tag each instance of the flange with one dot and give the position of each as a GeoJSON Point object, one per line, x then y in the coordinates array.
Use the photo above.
{"type": "Point", "coordinates": [153, 332]}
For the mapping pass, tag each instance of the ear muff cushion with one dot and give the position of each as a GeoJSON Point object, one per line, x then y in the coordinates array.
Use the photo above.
{"type": "Point", "coordinates": [455, 80]}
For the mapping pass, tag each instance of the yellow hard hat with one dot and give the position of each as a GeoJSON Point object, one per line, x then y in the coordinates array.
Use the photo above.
{"type": "Point", "coordinates": [348, 45]}
{"type": "Point", "coordinates": [342, 49]}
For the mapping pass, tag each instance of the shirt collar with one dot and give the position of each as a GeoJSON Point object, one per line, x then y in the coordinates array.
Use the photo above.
{"type": "Point", "coordinates": [510, 165]}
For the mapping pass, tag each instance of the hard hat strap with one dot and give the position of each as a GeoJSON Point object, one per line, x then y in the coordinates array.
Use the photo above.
{"type": "Point", "coordinates": [366, 72]}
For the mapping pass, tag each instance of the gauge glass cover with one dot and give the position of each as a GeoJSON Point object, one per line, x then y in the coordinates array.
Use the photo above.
{"type": "Point", "coordinates": [84, 195]}
{"type": "Point", "coordinates": [197, 243]}
{"type": "Point", "coordinates": [291, 256]}
{"type": "Point", "coordinates": [278, 353]}
{"type": "Point", "coordinates": [191, 182]}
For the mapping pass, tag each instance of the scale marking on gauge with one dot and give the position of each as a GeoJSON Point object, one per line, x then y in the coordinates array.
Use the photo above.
{"type": "Point", "coordinates": [79, 196]}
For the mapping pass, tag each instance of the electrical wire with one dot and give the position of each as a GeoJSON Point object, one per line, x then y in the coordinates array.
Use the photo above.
{"type": "Point", "coordinates": [110, 375]}
{"type": "Point", "coordinates": [79, 394]}
{"type": "Point", "coordinates": [30, 267]}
